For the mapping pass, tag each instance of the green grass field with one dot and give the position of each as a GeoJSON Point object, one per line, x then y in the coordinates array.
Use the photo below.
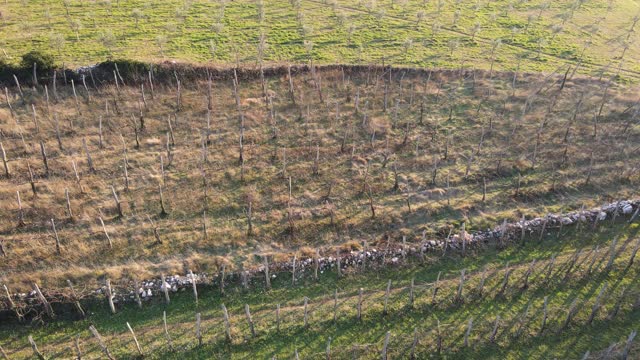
{"type": "Point", "coordinates": [530, 35]}
{"type": "Point", "coordinates": [518, 336]}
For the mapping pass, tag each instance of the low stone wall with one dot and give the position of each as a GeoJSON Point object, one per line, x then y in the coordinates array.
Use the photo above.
{"type": "Point", "coordinates": [392, 255]}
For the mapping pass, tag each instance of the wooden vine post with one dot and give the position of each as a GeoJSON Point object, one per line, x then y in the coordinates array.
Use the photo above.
{"type": "Point", "coordinates": [101, 342]}
{"type": "Point", "coordinates": [135, 340]}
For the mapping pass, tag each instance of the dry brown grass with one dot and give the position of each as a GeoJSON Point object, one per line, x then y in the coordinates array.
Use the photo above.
{"type": "Point", "coordinates": [329, 208]}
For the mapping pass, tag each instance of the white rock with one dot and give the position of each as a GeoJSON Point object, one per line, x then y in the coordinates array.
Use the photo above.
{"type": "Point", "coordinates": [627, 209]}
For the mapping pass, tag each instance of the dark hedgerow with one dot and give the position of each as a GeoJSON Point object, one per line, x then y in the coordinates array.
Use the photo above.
{"type": "Point", "coordinates": [45, 65]}
{"type": "Point", "coordinates": [44, 62]}
{"type": "Point", "coordinates": [127, 69]}
{"type": "Point", "coordinates": [6, 71]}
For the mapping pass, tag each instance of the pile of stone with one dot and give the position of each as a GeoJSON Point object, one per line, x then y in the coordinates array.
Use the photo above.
{"type": "Point", "coordinates": [390, 256]}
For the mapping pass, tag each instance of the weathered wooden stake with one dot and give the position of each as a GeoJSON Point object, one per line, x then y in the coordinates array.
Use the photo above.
{"type": "Point", "coordinates": [250, 219]}
{"type": "Point", "coordinates": [482, 280]}
{"type": "Point", "coordinates": [105, 350]}
{"type": "Point", "coordinates": [75, 299]}
{"type": "Point", "coordinates": [436, 287]}
{"type": "Point", "coordinates": [55, 235]}
{"type": "Point", "coordinates": [12, 305]}
{"type": "Point", "coordinates": [165, 289]}
{"type": "Point", "coordinates": [316, 264]}
{"type": "Point", "coordinates": [544, 227]}
{"type": "Point", "coordinates": [411, 292]}
{"type": "Point", "coordinates": [34, 347]}
{"type": "Point", "coordinates": [135, 340]}
{"type": "Point", "coordinates": [635, 215]}
{"type": "Point", "coordinates": [100, 142]}
{"type": "Point", "coordinates": [414, 344]}
{"type": "Point", "coordinates": [21, 222]}
{"type": "Point", "coordinates": [616, 307]}
{"type": "Point", "coordinates": [463, 237]}
{"type": "Point", "coordinates": [505, 281]}
{"type": "Point", "coordinates": [570, 314]}
{"type": "Point", "coordinates": [6, 94]}
{"type": "Point", "coordinates": [468, 332]}
{"type": "Point", "coordinates": [7, 171]}
{"type": "Point", "coordinates": [306, 314]}
{"type": "Point", "coordinates": [69, 212]}
{"type": "Point", "coordinates": [266, 271]}
{"type": "Point", "coordinates": [386, 298]}
{"type": "Point", "coordinates": [31, 180]}
{"type": "Point", "coordinates": [633, 253]}
{"type": "Point", "coordinates": [43, 300]}
{"type": "Point", "coordinates": [494, 333]}
{"type": "Point", "coordinates": [117, 201]}
{"type": "Point", "coordinates": [75, 96]}
{"type": "Point", "coordinates": [247, 313]}
{"type": "Point", "coordinates": [359, 305]}
{"type": "Point", "coordinates": [198, 330]}
{"type": "Point", "coordinates": [438, 337]}
{"type": "Point", "coordinates": [45, 161]}
{"type": "Point", "coordinates": [525, 282]}
{"type": "Point", "coordinates": [137, 293]}
{"type": "Point", "coordinates": [19, 88]}
{"type": "Point", "coordinates": [385, 345]}
{"type": "Point", "coordinates": [612, 254]}
{"type": "Point", "coordinates": [484, 189]}
{"type": "Point", "coordinates": [227, 323]}
{"type": "Point", "coordinates": [166, 330]}
{"type": "Point", "coordinates": [522, 321]}
{"type": "Point", "coordinates": [627, 345]}
{"type": "Point", "coordinates": [293, 270]}
{"type": "Point", "coordinates": [75, 173]}
{"type": "Point", "coordinates": [335, 305]}
{"type": "Point", "coordinates": [109, 295]}
{"type": "Point", "coordinates": [193, 285]}
{"type": "Point", "coordinates": [572, 263]}
{"type": "Point", "coordinates": [223, 273]}
{"type": "Point", "coordinates": [596, 304]}
{"type": "Point", "coordinates": [89, 160]}
{"type": "Point", "coordinates": [460, 286]}
{"type": "Point", "coordinates": [328, 350]}
{"type": "Point", "coordinates": [3, 354]}
{"type": "Point", "coordinates": [545, 315]}
{"type": "Point", "coordinates": [106, 234]}
{"type": "Point", "coordinates": [163, 211]}
{"type": "Point", "coordinates": [550, 268]}
{"type": "Point", "coordinates": [151, 84]}
{"type": "Point", "coordinates": [76, 345]}
{"type": "Point", "coordinates": [594, 257]}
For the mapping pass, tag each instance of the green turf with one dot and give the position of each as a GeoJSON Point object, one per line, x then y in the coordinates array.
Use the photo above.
{"type": "Point", "coordinates": [534, 35]}
{"type": "Point", "coordinates": [365, 337]}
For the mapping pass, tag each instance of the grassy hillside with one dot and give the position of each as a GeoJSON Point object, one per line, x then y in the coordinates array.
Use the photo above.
{"type": "Point", "coordinates": [531, 35]}
{"type": "Point", "coordinates": [311, 171]}
{"type": "Point", "coordinates": [413, 120]}
{"type": "Point", "coordinates": [573, 278]}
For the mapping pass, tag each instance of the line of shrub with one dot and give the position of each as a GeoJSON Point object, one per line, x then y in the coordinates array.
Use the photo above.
{"type": "Point", "coordinates": [43, 66]}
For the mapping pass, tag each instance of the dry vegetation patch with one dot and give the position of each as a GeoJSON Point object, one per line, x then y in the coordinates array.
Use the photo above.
{"type": "Point", "coordinates": [337, 156]}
